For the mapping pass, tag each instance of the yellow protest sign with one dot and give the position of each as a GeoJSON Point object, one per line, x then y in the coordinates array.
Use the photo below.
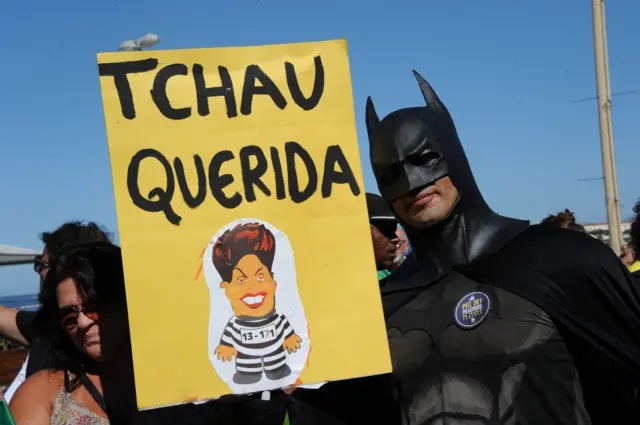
{"type": "Point", "coordinates": [242, 216]}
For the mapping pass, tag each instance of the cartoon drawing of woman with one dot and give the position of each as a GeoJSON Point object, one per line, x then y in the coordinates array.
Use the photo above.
{"type": "Point", "coordinates": [258, 334]}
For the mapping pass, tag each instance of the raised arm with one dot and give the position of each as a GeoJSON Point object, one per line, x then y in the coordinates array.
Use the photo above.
{"type": "Point", "coordinates": [11, 320]}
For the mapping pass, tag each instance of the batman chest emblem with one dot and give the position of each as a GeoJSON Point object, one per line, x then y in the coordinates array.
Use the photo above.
{"type": "Point", "coordinates": [471, 310]}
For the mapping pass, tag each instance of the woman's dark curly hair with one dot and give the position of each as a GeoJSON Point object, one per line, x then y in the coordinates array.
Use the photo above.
{"type": "Point", "coordinates": [635, 232]}
{"type": "Point", "coordinates": [565, 220]}
{"type": "Point", "coordinates": [96, 270]}
{"type": "Point", "coordinates": [70, 233]}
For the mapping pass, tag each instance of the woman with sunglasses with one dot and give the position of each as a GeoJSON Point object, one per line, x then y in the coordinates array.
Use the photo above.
{"type": "Point", "coordinates": [84, 313]}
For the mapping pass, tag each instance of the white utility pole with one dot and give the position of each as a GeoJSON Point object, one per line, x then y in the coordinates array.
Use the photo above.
{"type": "Point", "coordinates": [606, 134]}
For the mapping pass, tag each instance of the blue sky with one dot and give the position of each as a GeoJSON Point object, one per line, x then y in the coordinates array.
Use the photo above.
{"type": "Point", "coordinates": [507, 70]}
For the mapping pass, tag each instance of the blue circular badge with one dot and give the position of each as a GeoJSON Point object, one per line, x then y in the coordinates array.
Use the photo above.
{"type": "Point", "coordinates": [472, 310]}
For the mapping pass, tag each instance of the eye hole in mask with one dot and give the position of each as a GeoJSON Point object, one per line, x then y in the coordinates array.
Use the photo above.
{"type": "Point", "coordinates": [426, 159]}
{"type": "Point", "coordinates": [389, 176]}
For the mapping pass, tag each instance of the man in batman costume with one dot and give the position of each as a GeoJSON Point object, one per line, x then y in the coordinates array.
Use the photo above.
{"type": "Point", "coordinates": [495, 321]}
{"type": "Point", "coordinates": [501, 322]}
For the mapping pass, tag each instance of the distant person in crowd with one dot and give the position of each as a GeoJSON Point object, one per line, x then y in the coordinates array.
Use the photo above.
{"type": "Point", "coordinates": [634, 267]}
{"type": "Point", "coordinates": [19, 325]}
{"type": "Point", "coordinates": [565, 219]}
{"type": "Point", "coordinates": [627, 256]}
{"type": "Point", "coordinates": [403, 242]}
{"type": "Point", "coordinates": [384, 226]}
{"type": "Point", "coordinates": [85, 317]}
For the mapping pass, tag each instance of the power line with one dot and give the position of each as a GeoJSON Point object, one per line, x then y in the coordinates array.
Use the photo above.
{"type": "Point", "coordinates": [590, 179]}
{"type": "Point", "coordinates": [588, 99]}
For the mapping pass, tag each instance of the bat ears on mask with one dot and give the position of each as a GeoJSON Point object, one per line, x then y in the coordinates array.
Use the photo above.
{"type": "Point", "coordinates": [371, 117]}
{"type": "Point", "coordinates": [430, 97]}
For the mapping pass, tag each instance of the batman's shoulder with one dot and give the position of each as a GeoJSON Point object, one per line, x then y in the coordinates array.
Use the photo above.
{"type": "Point", "coordinates": [592, 298]}
{"type": "Point", "coordinates": [550, 250]}
{"type": "Point", "coordinates": [579, 281]}
{"type": "Point", "coordinates": [544, 260]}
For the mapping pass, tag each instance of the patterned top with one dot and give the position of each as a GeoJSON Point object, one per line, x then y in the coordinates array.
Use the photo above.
{"type": "Point", "coordinates": [69, 411]}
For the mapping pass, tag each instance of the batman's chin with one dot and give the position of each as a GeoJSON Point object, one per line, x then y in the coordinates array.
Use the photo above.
{"type": "Point", "coordinates": [427, 206]}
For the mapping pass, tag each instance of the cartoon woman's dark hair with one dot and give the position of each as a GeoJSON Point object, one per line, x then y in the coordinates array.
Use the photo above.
{"type": "Point", "coordinates": [243, 239]}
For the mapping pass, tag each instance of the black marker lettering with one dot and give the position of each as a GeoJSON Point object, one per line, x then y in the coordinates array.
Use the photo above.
{"type": "Point", "coordinates": [203, 92]}
{"type": "Point", "coordinates": [189, 199]}
{"type": "Point", "coordinates": [119, 71]}
{"type": "Point", "coordinates": [343, 175]}
{"type": "Point", "coordinates": [294, 86]}
{"type": "Point", "coordinates": [251, 176]}
{"type": "Point", "coordinates": [277, 170]}
{"type": "Point", "coordinates": [252, 74]}
{"type": "Point", "coordinates": [293, 149]}
{"type": "Point", "coordinates": [218, 182]}
{"type": "Point", "coordinates": [159, 92]}
{"type": "Point", "coordinates": [163, 203]}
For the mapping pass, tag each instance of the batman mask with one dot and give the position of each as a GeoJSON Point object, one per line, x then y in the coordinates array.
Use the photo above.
{"type": "Point", "coordinates": [411, 149]}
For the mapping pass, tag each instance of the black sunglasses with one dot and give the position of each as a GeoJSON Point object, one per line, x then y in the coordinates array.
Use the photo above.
{"type": "Point", "coordinates": [38, 264]}
{"type": "Point", "coordinates": [68, 316]}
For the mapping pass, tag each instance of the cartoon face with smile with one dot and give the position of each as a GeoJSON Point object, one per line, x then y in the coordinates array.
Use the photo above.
{"type": "Point", "coordinates": [258, 336]}
{"type": "Point", "coordinates": [252, 290]}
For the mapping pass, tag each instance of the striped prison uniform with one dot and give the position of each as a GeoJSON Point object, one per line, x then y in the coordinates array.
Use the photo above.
{"type": "Point", "coordinates": [259, 342]}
